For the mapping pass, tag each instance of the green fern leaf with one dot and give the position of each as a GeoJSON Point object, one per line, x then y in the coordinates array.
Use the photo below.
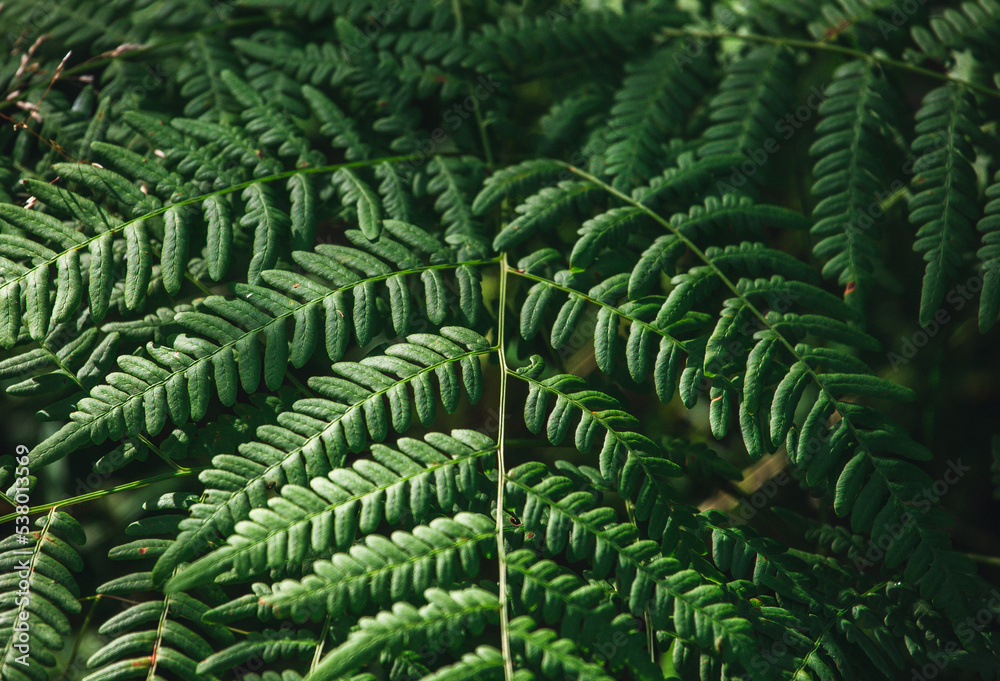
{"type": "Point", "coordinates": [743, 112]}
{"type": "Point", "coordinates": [989, 257]}
{"type": "Point", "coordinates": [38, 592]}
{"type": "Point", "coordinates": [351, 412]}
{"type": "Point", "coordinates": [349, 500]}
{"type": "Point", "coordinates": [515, 180]}
{"type": "Point", "coordinates": [943, 205]}
{"type": "Point", "coordinates": [356, 191]}
{"type": "Point", "coordinates": [102, 264]}
{"type": "Point", "coordinates": [545, 210]}
{"type": "Point", "coordinates": [650, 107]}
{"type": "Point", "coordinates": [456, 614]}
{"type": "Point", "coordinates": [857, 112]}
{"type": "Point", "coordinates": [443, 552]}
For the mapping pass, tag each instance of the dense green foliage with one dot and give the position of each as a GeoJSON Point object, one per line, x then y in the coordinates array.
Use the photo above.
{"type": "Point", "coordinates": [474, 340]}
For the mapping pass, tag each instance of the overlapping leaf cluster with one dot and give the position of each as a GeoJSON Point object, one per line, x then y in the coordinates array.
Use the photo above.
{"type": "Point", "coordinates": [302, 269]}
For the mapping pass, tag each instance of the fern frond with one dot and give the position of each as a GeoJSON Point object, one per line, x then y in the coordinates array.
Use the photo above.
{"type": "Point", "coordinates": [971, 26]}
{"type": "Point", "coordinates": [158, 634]}
{"type": "Point", "coordinates": [743, 112]}
{"type": "Point", "coordinates": [815, 644]}
{"type": "Point", "coordinates": [944, 202]}
{"type": "Point", "coordinates": [818, 454]}
{"type": "Point", "coordinates": [541, 40]}
{"type": "Point", "coordinates": [579, 608]}
{"type": "Point", "coordinates": [402, 488]}
{"type": "Point", "coordinates": [455, 614]}
{"type": "Point", "coordinates": [317, 436]}
{"type": "Point", "coordinates": [569, 117]}
{"type": "Point", "coordinates": [454, 181]}
{"type": "Point", "coordinates": [989, 258]}
{"type": "Point", "coordinates": [672, 189]}
{"type": "Point", "coordinates": [396, 192]}
{"type": "Point", "coordinates": [104, 254]}
{"type": "Point", "coordinates": [554, 655]}
{"type": "Point", "coordinates": [267, 646]}
{"type": "Point", "coordinates": [623, 450]}
{"type": "Point", "coordinates": [441, 553]}
{"type": "Point", "coordinates": [357, 192]}
{"type": "Point", "coordinates": [270, 225]}
{"type": "Point", "coordinates": [37, 592]}
{"type": "Point", "coordinates": [229, 431]}
{"type": "Point", "coordinates": [515, 180]}
{"type": "Point", "coordinates": [740, 214]}
{"type": "Point", "coordinates": [485, 662]}
{"type": "Point", "coordinates": [674, 598]}
{"type": "Point", "coordinates": [74, 354]}
{"type": "Point", "coordinates": [649, 109]}
{"type": "Point", "coordinates": [337, 126]}
{"type": "Point", "coordinates": [86, 24]}
{"type": "Point", "coordinates": [671, 319]}
{"type": "Point", "coordinates": [545, 210]}
{"type": "Point", "coordinates": [200, 78]}
{"type": "Point", "coordinates": [316, 63]}
{"type": "Point", "coordinates": [856, 114]}
{"type": "Point", "coordinates": [773, 16]}
{"type": "Point", "coordinates": [218, 274]}
{"type": "Point", "coordinates": [174, 384]}
{"type": "Point", "coordinates": [851, 17]}
{"type": "Point", "coordinates": [262, 116]}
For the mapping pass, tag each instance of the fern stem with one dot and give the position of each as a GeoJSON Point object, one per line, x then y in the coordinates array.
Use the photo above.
{"type": "Point", "coordinates": [827, 47]}
{"type": "Point", "coordinates": [319, 644]}
{"type": "Point", "coordinates": [105, 492]}
{"type": "Point", "coordinates": [508, 661]}
{"type": "Point", "coordinates": [156, 450]}
{"type": "Point", "coordinates": [153, 656]}
{"type": "Point", "coordinates": [985, 560]}
{"type": "Point", "coordinates": [456, 8]}
{"type": "Point", "coordinates": [55, 359]}
{"type": "Point", "coordinates": [299, 385]}
{"type": "Point", "coordinates": [487, 151]}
